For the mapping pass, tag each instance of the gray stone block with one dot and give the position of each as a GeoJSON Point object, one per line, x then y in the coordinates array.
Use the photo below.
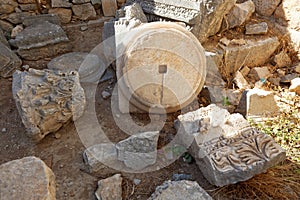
{"type": "Point", "coordinates": [226, 148]}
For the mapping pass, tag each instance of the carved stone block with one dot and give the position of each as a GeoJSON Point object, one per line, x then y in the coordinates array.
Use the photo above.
{"type": "Point", "coordinates": [205, 17]}
{"type": "Point", "coordinates": [225, 147]}
{"type": "Point", "coordinates": [47, 99]}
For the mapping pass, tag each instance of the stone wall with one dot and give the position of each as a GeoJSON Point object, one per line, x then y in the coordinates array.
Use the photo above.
{"type": "Point", "coordinates": [12, 12]}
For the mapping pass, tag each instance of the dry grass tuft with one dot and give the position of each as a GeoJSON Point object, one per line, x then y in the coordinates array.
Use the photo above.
{"type": "Point", "coordinates": [278, 183]}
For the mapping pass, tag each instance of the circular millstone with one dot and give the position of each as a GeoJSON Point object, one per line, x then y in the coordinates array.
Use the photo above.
{"type": "Point", "coordinates": [163, 67]}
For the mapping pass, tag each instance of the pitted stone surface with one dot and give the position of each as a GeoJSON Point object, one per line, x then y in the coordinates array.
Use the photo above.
{"type": "Point", "coordinates": [47, 99]}
{"type": "Point", "coordinates": [226, 148]}
{"type": "Point", "coordinates": [27, 178]}
{"type": "Point", "coordinates": [178, 190]}
{"type": "Point", "coordinates": [151, 66]}
{"type": "Point", "coordinates": [138, 151]}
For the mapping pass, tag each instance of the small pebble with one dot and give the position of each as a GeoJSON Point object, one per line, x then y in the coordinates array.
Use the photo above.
{"type": "Point", "coordinates": [25, 67]}
{"type": "Point", "coordinates": [83, 28]}
{"type": "Point", "coordinates": [3, 130]}
{"type": "Point", "coordinates": [136, 181]}
{"type": "Point", "coordinates": [57, 135]}
{"type": "Point", "coordinates": [105, 95]}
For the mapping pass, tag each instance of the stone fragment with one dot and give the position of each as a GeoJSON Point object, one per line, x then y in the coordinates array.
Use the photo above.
{"type": "Point", "coordinates": [28, 7]}
{"type": "Point", "coordinates": [225, 41]}
{"type": "Point", "coordinates": [3, 39]}
{"type": "Point", "coordinates": [295, 86]}
{"type": "Point", "coordinates": [96, 2]}
{"type": "Point", "coordinates": [80, 1]}
{"type": "Point", "coordinates": [41, 40]}
{"type": "Point", "coordinates": [98, 155]}
{"type": "Point", "coordinates": [9, 61]}
{"type": "Point", "coordinates": [240, 81]}
{"type": "Point", "coordinates": [226, 148]}
{"type": "Point", "coordinates": [256, 29]}
{"type": "Point", "coordinates": [84, 11]}
{"type": "Point", "coordinates": [274, 81]}
{"type": "Point", "coordinates": [227, 98]}
{"type": "Point", "coordinates": [26, 1]}
{"type": "Point", "coordinates": [282, 60]}
{"type": "Point", "coordinates": [27, 178]}
{"type": "Point", "coordinates": [245, 71]}
{"type": "Point", "coordinates": [266, 7]}
{"type": "Point", "coordinates": [47, 99]}
{"type": "Point", "coordinates": [109, 7]}
{"type": "Point", "coordinates": [180, 177]}
{"type": "Point", "coordinates": [64, 14]}
{"type": "Point", "coordinates": [105, 95]}
{"type": "Point", "coordinates": [110, 188]}
{"type": "Point", "coordinates": [178, 190]}
{"type": "Point", "coordinates": [38, 19]}
{"type": "Point", "coordinates": [253, 53]}
{"type": "Point", "coordinates": [86, 64]}
{"type": "Point", "coordinates": [261, 103]}
{"type": "Point", "coordinates": [259, 73]}
{"type": "Point", "coordinates": [6, 26]}
{"type": "Point", "coordinates": [7, 6]}
{"type": "Point", "coordinates": [60, 4]}
{"type": "Point", "coordinates": [238, 41]}
{"type": "Point", "coordinates": [213, 76]}
{"type": "Point", "coordinates": [17, 18]}
{"type": "Point", "coordinates": [18, 29]}
{"type": "Point", "coordinates": [288, 78]}
{"type": "Point", "coordinates": [238, 14]}
{"type": "Point", "coordinates": [138, 151]}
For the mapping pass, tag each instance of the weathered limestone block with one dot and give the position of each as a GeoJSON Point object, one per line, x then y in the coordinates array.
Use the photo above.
{"type": "Point", "coordinates": [27, 178]}
{"type": "Point", "coordinates": [64, 14]}
{"type": "Point", "coordinates": [28, 7]}
{"type": "Point", "coordinates": [282, 59]}
{"type": "Point", "coordinates": [47, 99]}
{"type": "Point", "coordinates": [255, 29]}
{"type": "Point", "coordinates": [261, 103]}
{"type": "Point", "coordinates": [226, 148]}
{"type": "Point", "coordinates": [39, 19]}
{"type": "Point", "coordinates": [41, 40]}
{"type": "Point", "coordinates": [9, 61]}
{"type": "Point", "coordinates": [60, 4]}
{"type": "Point", "coordinates": [238, 14]}
{"type": "Point", "coordinates": [259, 73]}
{"type": "Point", "coordinates": [205, 17]}
{"type": "Point", "coordinates": [86, 64]}
{"type": "Point", "coordinates": [8, 6]}
{"type": "Point", "coordinates": [96, 156]}
{"type": "Point", "coordinates": [3, 39]}
{"type": "Point", "coordinates": [110, 188]}
{"type": "Point", "coordinates": [84, 11]}
{"type": "Point", "coordinates": [6, 26]}
{"type": "Point", "coordinates": [16, 17]}
{"type": "Point", "coordinates": [109, 7]}
{"type": "Point", "coordinates": [251, 54]}
{"type": "Point", "coordinates": [266, 7]}
{"type": "Point", "coordinates": [178, 190]}
{"type": "Point", "coordinates": [138, 151]}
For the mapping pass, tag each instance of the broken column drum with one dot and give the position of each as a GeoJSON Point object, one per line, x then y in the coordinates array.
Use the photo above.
{"type": "Point", "coordinates": [161, 67]}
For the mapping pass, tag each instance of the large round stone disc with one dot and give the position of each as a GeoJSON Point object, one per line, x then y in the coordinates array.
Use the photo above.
{"type": "Point", "coordinates": [164, 67]}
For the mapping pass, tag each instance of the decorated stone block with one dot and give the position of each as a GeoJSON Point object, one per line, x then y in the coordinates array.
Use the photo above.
{"type": "Point", "coordinates": [226, 148]}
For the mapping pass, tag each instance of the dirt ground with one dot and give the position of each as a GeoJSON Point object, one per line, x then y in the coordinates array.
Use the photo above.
{"type": "Point", "coordinates": [62, 151]}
